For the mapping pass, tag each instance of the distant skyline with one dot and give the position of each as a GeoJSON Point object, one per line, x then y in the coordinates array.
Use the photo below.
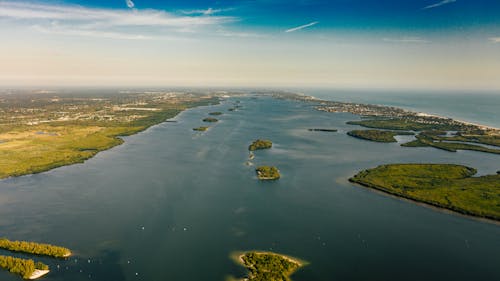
{"type": "Point", "coordinates": [424, 44]}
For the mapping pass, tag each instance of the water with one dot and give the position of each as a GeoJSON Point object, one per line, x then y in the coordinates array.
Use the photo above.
{"type": "Point", "coordinates": [173, 204]}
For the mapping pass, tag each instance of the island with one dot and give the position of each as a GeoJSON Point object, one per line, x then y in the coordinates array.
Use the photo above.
{"type": "Point", "coordinates": [448, 186]}
{"type": "Point", "coordinates": [268, 266]}
{"type": "Point", "coordinates": [202, 129]}
{"type": "Point", "coordinates": [215, 113]}
{"type": "Point", "coordinates": [377, 135]}
{"type": "Point", "coordinates": [322, 130]}
{"type": "Point", "coordinates": [267, 173]}
{"type": "Point", "coordinates": [43, 131]}
{"type": "Point", "coordinates": [260, 144]}
{"type": "Point", "coordinates": [438, 139]}
{"type": "Point", "coordinates": [26, 268]}
{"type": "Point", "coordinates": [34, 248]}
{"type": "Point", "coordinates": [210, 120]}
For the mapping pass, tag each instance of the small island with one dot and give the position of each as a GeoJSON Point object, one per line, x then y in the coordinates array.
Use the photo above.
{"type": "Point", "coordinates": [322, 130]}
{"type": "Point", "coordinates": [201, 129]}
{"type": "Point", "coordinates": [267, 173]}
{"type": "Point", "coordinates": [210, 120]}
{"type": "Point", "coordinates": [448, 186]}
{"type": "Point", "coordinates": [260, 144]}
{"type": "Point", "coordinates": [215, 113]}
{"type": "Point", "coordinates": [34, 248]}
{"type": "Point", "coordinates": [26, 268]}
{"type": "Point", "coordinates": [268, 266]}
{"type": "Point", "coordinates": [377, 135]}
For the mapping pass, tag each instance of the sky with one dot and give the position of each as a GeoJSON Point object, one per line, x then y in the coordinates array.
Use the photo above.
{"type": "Point", "coordinates": [393, 44]}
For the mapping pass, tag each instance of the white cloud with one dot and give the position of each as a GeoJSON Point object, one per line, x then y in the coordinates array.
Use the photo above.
{"type": "Point", "coordinates": [302, 26]}
{"type": "Point", "coordinates": [416, 40]}
{"type": "Point", "coordinates": [207, 12]}
{"type": "Point", "coordinates": [438, 4]}
{"type": "Point", "coordinates": [495, 39]}
{"type": "Point", "coordinates": [130, 4]}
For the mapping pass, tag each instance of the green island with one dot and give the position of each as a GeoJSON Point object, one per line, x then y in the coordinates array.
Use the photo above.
{"type": "Point", "coordinates": [436, 140]}
{"type": "Point", "coordinates": [34, 248]}
{"type": "Point", "coordinates": [201, 129]}
{"type": "Point", "coordinates": [27, 268]}
{"type": "Point", "coordinates": [210, 120]}
{"type": "Point", "coordinates": [406, 124]}
{"type": "Point", "coordinates": [215, 113]}
{"type": "Point", "coordinates": [377, 135]}
{"type": "Point", "coordinates": [260, 144]}
{"type": "Point", "coordinates": [322, 130]}
{"type": "Point", "coordinates": [267, 266]}
{"type": "Point", "coordinates": [267, 173]}
{"type": "Point", "coordinates": [40, 132]}
{"type": "Point", "coordinates": [448, 186]}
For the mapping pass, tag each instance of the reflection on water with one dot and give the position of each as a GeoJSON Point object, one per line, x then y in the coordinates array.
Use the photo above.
{"type": "Point", "coordinates": [172, 204]}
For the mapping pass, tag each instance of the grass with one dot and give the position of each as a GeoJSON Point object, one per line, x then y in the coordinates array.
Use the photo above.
{"type": "Point", "coordinates": [447, 186]}
{"type": "Point", "coordinates": [377, 135]}
{"type": "Point", "coordinates": [33, 149]}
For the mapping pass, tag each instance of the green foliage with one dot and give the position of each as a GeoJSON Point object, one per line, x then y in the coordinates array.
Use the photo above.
{"type": "Point", "coordinates": [443, 185]}
{"type": "Point", "coordinates": [23, 267]}
{"type": "Point", "coordinates": [216, 113]}
{"type": "Point", "coordinates": [260, 144]}
{"type": "Point", "coordinates": [210, 120]}
{"type": "Point", "coordinates": [443, 143]}
{"type": "Point", "coordinates": [34, 248]}
{"type": "Point", "coordinates": [202, 129]}
{"type": "Point", "coordinates": [269, 266]}
{"type": "Point", "coordinates": [322, 130]}
{"type": "Point", "coordinates": [377, 135]}
{"type": "Point", "coordinates": [267, 173]}
{"type": "Point", "coordinates": [406, 124]}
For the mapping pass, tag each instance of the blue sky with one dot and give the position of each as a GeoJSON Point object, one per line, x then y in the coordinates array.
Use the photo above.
{"type": "Point", "coordinates": [336, 43]}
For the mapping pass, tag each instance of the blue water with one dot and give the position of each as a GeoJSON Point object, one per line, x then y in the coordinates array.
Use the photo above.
{"type": "Point", "coordinates": [476, 107]}
{"type": "Point", "coordinates": [173, 204]}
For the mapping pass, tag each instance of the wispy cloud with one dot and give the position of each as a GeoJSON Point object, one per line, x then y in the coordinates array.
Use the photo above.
{"type": "Point", "coordinates": [438, 4]}
{"type": "Point", "coordinates": [495, 39]}
{"type": "Point", "coordinates": [415, 40]}
{"type": "Point", "coordinates": [206, 12]}
{"type": "Point", "coordinates": [226, 33]}
{"type": "Point", "coordinates": [302, 26]}
{"type": "Point", "coordinates": [130, 4]}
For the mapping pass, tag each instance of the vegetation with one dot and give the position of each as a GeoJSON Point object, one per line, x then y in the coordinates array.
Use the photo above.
{"type": "Point", "coordinates": [39, 133]}
{"type": "Point", "coordinates": [269, 266]}
{"type": "Point", "coordinates": [260, 144]}
{"type": "Point", "coordinates": [442, 185]}
{"type": "Point", "coordinates": [210, 120]}
{"type": "Point", "coordinates": [406, 124]}
{"type": "Point", "coordinates": [425, 139]}
{"type": "Point", "coordinates": [322, 130]}
{"type": "Point", "coordinates": [23, 267]}
{"type": "Point", "coordinates": [267, 173]}
{"type": "Point", "coordinates": [216, 113]}
{"type": "Point", "coordinates": [377, 135]}
{"type": "Point", "coordinates": [202, 129]}
{"type": "Point", "coordinates": [34, 248]}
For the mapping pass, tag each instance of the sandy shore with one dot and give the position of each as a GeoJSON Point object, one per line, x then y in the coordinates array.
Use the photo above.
{"type": "Point", "coordinates": [38, 273]}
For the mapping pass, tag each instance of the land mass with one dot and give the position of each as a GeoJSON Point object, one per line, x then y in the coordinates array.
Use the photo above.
{"type": "Point", "coordinates": [202, 129]}
{"type": "Point", "coordinates": [210, 120]}
{"type": "Point", "coordinates": [34, 248]}
{"type": "Point", "coordinates": [26, 268]}
{"type": "Point", "coordinates": [268, 266]}
{"type": "Point", "coordinates": [448, 186]}
{"type": "Point", "coordinates": [321, 130]}
{"type": "Point", "coordinates": [260, 144]}
{"type": "Point", "coordinates": [377, 135]}
{"type": "Point", "coordinates": [40, 131]}
{"type": "Point", "coordinates": [267, 173]}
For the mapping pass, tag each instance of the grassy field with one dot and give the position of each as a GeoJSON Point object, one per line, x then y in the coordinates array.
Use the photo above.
{"type": "Point", "coordinates": [27, 149]}
{"type": "Point", "coordinates": [443, 185]}
{"type": "Point", "coordinates": [377, 135]}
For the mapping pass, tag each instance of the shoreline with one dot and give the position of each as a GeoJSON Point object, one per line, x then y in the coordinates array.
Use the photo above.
{"type": "Point", "coordinates": [38, 273]}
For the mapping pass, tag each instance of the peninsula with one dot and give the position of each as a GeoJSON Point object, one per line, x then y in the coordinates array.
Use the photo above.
{"type": "Point", "coordinates": [448, 186]}
{"type": "Point", "coordinates": [34, 248]}
{"type": "Point", "coordinates": [268, 266]}
{"type": "Point", "coordinates": [260, 144]}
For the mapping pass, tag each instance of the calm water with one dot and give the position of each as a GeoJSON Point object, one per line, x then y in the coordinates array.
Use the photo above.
{"type": "Point", "coordinates": [172, 204]}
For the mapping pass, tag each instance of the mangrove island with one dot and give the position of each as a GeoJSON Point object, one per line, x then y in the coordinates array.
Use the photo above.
{"type": "Point", "coordinates": [260, 144]}
{"type": "Point", "coordinates": [267, 266]}
{"type": "Point", "coordinates": [210, 120]}
{"type": "Point", "coordinates": [267, 173]}
{"type": "Point", "coordinates": [377, 135]}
